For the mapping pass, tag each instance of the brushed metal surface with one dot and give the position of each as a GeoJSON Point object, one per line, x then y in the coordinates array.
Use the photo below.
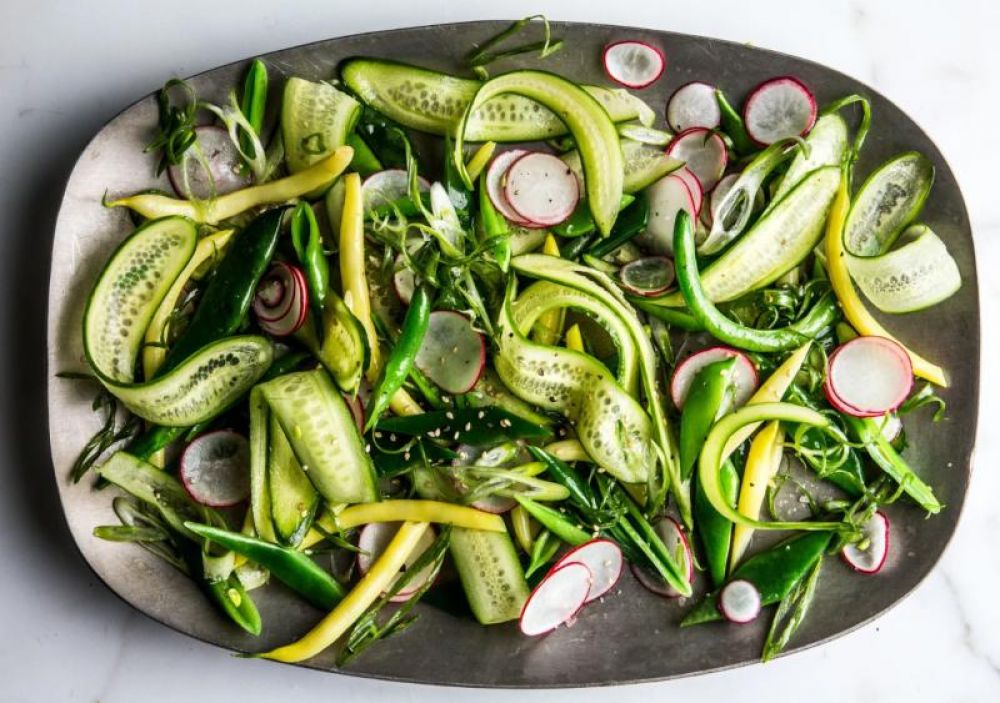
{"type": "Point", "coordinates": [633, 635]}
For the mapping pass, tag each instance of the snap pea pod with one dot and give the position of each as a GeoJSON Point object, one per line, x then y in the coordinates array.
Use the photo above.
{"type": "Point", "coordinates": [774, 572]}
{"type": "Point", "coordinates": [384, 137]}
{"type": "Point", "coordinates": [290, 566]}
{"type": "Point", "coordinates": [494, 226]}
{"type": "Point", "coordinates": [732, 125]}
{"type": "Point", "coordinates": [714, 530]}
{"type": "Point", "coordinates": [630, 222]}
{"type": "Point", "coordinates": [404, 352]}
{"type": "Point", "coordinates": [254, 102]}
{"type": "Point", "coordinates": [227, 297]}
{"type": "Point", "coordinates": [581, 222]}
{"type": "Point", "coordinates": [555, 522]}
{"type": "Point", "coordinates": [710, 396]}
{"type": "Point", "coordinates": [791, 612]}
{"type": "Point", "coordinates": [308, 243]}
{"type": "Point", "coordinates": [480, 427]}
{"type": "Point", "coordinates": [580, 493]}
{"type": "Point", "coordinates": [365, 161]}
{"type": "Point", "coordinates": [233, 599]}
{"type": "Point", "coordinates": [674, 317]}
{"type": "Point", "coordinates": [543, 550]}
{"type": "Point", "coordinates": [576, 247]}
{"type": "Point", "coordinates": [822, 315]}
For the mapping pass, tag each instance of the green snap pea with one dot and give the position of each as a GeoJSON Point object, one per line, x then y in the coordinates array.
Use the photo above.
{"type": "Point", "coordinates": [232, 597]}
{"type": "Point", "coordinates": [675, 317]}
{"type": "Point", "coordinates": [494, 226]}
{"type": "Point", "coordinates": [630, 222]}
{"type": "Point", "coordinates": [774, 572]}
{"type": "Point", "coordinates": [732, 125]}
{"type": "Point", "coordinates": [580, 222]}
{"type": "Point", "coordinates": [308, 243]}
{"type": "Point", "coordinates": [576, 247]}
{"type": "Point", "coordinates": [822, 315]}
{"type": "Point", "coordinates": [715, 532]}
{"type": "Point", "coordinates": [543, 550]}
{"type": "Point", "coordinates": [709, 397]}
{"type": "Point", "coordinates": [290, 566]}
{"type": "Point", "coordinates": [397, 366]}
{"type": "Point", "coordinates": [555, 522]}
{"type": "Point", "coordinates": [254, 102]}
{"type": "Point", "coordinates": [364, 161]}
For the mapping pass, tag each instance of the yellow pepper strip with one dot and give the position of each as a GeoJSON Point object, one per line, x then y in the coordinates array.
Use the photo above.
{"type": "Point", "coordinates": [771, 391]}
{"type": "Point", "coordinates": [479, 160]}
{"type": "Point", "coordinates": [353, 606]}
{"type": "Point", "coordinates": [763, 461]}
{"type": "Point", "coordinates": [152, 354]}
{"type": "Point", "coordinates": [549, 327]}
{"type": "Point", "coordinates": [574, 338]}
{"type": "Point", "coordinates": [854, 309]}
{"type": "Point", "coordinates": [317, 176]}
{"type": "Point", "coordinates": [525, 528]}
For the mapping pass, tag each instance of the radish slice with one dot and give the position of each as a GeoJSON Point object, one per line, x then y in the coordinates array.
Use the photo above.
{"type": "Point", "coordinates": [541, 189]}
{"type": "Point", "coordinates": [388, 186]}
{"type": "Point", "coordinates": [745, 378]}
{"type": "Point", "coordinates": [634, 64]}
{"type": "Point", "coordinates": [676, 542]}
{"type": "Point", "coordinates": [868, 376]}
{"type": "Point", "coordinates": [495, 178]}
{"type": "Point", "coordinates": [215, 469]}
{"type": "Point", "coordinates": [705, 154]}
{"type": "Point", "coordinates": [556, 599]}
{"type": "Point", "coordinates": [404, 281]}
{"type": "Point", "coordinates": [281, 304]}
{"type": "Point", "coordinates": [223, 161]}
{"type": "Point", "coordinates": [667, 197]}
{"type": "Point", "coordinates": [372, 541]}
{"type": "Point", "coordinates": [603, 558]}
{"type": "Point", "coordinates": [693, 185]}
{"type": "Point", "coordinates": [779, 108]}
{"type": "Point", "coordinates": [649, 276]}
{"type": "Point", "coordinates": [739, 601]}
{"type": "Point", "coordinates": [452, 354]}
{"type": "Point", "coordinates": [693, 105]}
{"type": "Point", "coordinates": [871, 559]}
{"type": "Point", "coordinates": [357, 410]}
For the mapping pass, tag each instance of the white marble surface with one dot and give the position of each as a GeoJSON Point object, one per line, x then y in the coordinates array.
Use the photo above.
{"type": "Point", "coordinates": [67, 66]}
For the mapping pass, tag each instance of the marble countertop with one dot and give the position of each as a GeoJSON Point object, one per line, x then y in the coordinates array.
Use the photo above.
{"type": "Point", "coordinates": [66, 67]}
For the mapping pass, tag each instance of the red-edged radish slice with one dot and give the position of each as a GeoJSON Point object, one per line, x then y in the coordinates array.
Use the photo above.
{"type": "Point", "coordinates": [496, 177]}
{"type": "Point", "coordinates": [452, 354]}
{"type": "Point", "coordinates": [215, 469]}
{"type": "Point", "coordinates": [868, 376]}
{"type": "Point", "coordinates": [693, 105]}
{"type": "Point", "coordinates": [404, 281]}
{"type": "Point", "coordinates": [541, 189]}
{"type": "Point", "coordinates": [667, 197]}
{"type": "Point", "coordinates": [281, 303]}
{"type": "Point", "coordinates": [220, 155]}
{"type": "Point", "coordinates": [603, 558]}
{"type": "Point", "coordinates": [779, 108]}
{"type": "Point", "coordinates": [739, 601]}
{"type": "Point", "coordinates": [871, 559]}
{"type": "Point", "coordinates": [676, 541]}
{"type": "Point", "coordinates": [388, 186]}
{"type": "Point", "coordinates": [372, 541]}
{"type": "Point", "coordinates": [357, 410]}
{"type": "Point", "coordinates": [745, 378]}
{"type": "Point", "coordinates": [556, 599]}
{"type": "Point", "coordinates": [649, 276]}
{"type": "Point", "coordinates": [704, 153]}
{"type": "Point", "coordinates": [693, 186]}
{"type": "Point", "coordinates": [634, 64]}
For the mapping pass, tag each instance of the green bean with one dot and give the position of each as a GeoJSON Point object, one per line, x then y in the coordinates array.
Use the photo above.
{"type": "Point", "coordinates": [580, 493]}
{"type": "Point", "coordinates": [630, 222]}
{"type": "Point", "coordinates": [732, 125]}
{"type": "Point", "coordinates": [480, 427]}
{"type": "Point", "coordinates": [581, 222]}
{"type": "Point", "coordinates": [364, 161]}
{"type": "Point", "coordinates": [254, 102]}
{"type": "Point", "coordinates": [494, 225]}
{"type": "Point", "coordinates": [675, 317]}
{"type": "Point", "coordinates": [308, 242]}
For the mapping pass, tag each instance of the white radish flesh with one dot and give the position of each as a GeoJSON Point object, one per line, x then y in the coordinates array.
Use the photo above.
{"type": "Point", "coordinates": [634, 64]}
{"type": "Point", "coordinates": [373, 540]}
{"type": "Point", "coordinates": [745, 378]}
{"type": "Point", "coordinates": [542, 189]}
{"type": "Point", "coordinates": [496, 177]}
{"type": "Point", "coordinates": [213, 148]}
{"type": "Point", "coordinates": [868, 377]}
{"type": "Point", "coordinates": [871, 559]}
{"type": "Point", "coordinates": [779, 108]}
{"type": "Point", "coordinates": [739, 601]}
{"type": "Point", "coordinates": [452, 353]}
{"type": "Point", "coordinates": [281, 303]}
{"type": "Point", "coordinates": [693, 105]}
{"type": "Point", "coordinates": [693, 185]}
{"type": "Point", "coordinates": [215, 469]}
{"type": "Point", "coordinates": [556, 599]}
{"type": "Point", "coordinates": [603, 558]}
{"type": "Point", "coordinates": [667, 197]}
{"type": "Point", "coordinates": [704, 152]}
{"type": "Point", "coordinates": [404, 281]}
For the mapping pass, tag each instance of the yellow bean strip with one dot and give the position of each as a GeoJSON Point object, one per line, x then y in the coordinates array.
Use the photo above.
{"type": "Point", "coordinates": [763, 462]}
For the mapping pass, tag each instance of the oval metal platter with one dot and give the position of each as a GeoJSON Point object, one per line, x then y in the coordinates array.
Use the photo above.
{"type": "Point", "coordinates": [633, 635]}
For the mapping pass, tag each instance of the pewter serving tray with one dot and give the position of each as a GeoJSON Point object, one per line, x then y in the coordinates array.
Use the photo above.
{"type": "Point", "coordinates": [633, 635]}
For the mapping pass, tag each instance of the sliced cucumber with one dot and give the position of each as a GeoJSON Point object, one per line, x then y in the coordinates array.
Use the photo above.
{"type": "Point", "coordinates": [433, 102]}
{"type": "Point", "coordinates": [890, 199]}
{"type": "Point", "coordinates": [260, 492]}
{"type": "Point", "coordinates": [917, 275]}
{"type": "Point", "coordinates": [323, 435]}
{"type": "Point", "coordinates": [344, 349]}
{"type": "Point", "coordinates": [826, 145]}
{"type": "Point", "coordinates": [776, 243]}
{"type": "Point", "coordinates": [292, 496]}
{"type": "Point", "coordinates": [585, 118]}
{"type": "Point", "coordinates": [316, 118]}
{"type": "Point", "coordinates": [644, 164]}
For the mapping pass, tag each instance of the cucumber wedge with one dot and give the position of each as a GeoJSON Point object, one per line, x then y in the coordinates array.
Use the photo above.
{"type": "Point", "coordinates": [588, 122]}
{"type": "Point", "coordinates": [777, 242]}
{"type": "Point", "coordinates": [293, 498]}
{"type": "Point", "coordinates": [316, 118]}
{"type": "Point", "coordinates": [322, 432]}
{"type": "Point", "coordinates": [260, 493]}
{"type": "Point", "coordinates": [644, 164]}
{"type": "Point", "coordinates": [433, 102]}
{"type": "Point", "coordinates": [890, 199]}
